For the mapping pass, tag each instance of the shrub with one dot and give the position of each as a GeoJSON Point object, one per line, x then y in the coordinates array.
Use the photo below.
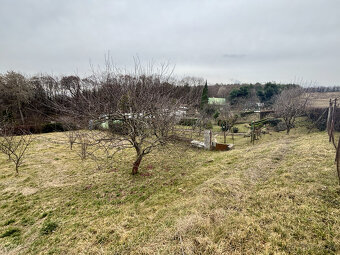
{"type": "Point", "coordinates": [315, 113]}
{"type": "Point", "coordinates": [187, 122]}
{"type": "Point", "coordinates": [280, 127]}
{"type": "Point", "coordinates": [209, 110]}
{"type": "Point", "coordinates": [208, 125]}
{"type": "Point", "coordinates": [224, 125]}
{"type": "Point", "coordinates": [32, 129]}
{"type": "Point", "coordinates": [117, 127]}
{"type": "Point", "coordinates": [216, 114]}
{"type": "Point", "coordinates": [244, 114]}
{"type": "Point", "coordinates": [52, 127]}
{"type": "Point", "coordinates": [272, 122]}
{"type": "Point", "coordinates": [234, 130]}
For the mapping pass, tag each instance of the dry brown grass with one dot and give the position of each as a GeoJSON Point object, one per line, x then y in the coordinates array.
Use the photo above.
{"type": "Point", "coordinates": [279, 196]}
{"type": "Point", "coordinates": [321, 100]}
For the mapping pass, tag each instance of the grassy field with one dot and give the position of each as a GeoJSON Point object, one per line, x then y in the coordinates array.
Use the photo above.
{"type": "Point", "coordinates": [322, 99]}
{"type": "Point", "coordinates": [279, 196]}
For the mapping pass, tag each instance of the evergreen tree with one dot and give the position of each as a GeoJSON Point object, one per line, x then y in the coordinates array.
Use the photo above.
{"type": "Point", "coordinates": [204, 98]}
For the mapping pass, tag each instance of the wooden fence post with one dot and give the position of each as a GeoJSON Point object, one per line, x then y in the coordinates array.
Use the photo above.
{"type": "Point", "coordinates": [329, 116]}
{"type": "Point", "coordinates": [330, 129]}
{"type": "Point", "coordinates": [253, 132]}
{"type": "Point", "coordinates": [332, 124]}
{"type": "Point", "coordinates": [337, 159]}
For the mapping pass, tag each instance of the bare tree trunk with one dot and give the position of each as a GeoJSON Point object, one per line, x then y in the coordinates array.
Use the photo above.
{"type": "Point", "coordinates": [288, 126]}
{"type": "Point", "coordinates": [83, 150]}
{"type": "Point", "coordinates": [225, 137]}
{"type": "Point", "coordinates": [337, 159]}
{"type": "Point", "coordinates": [338, 167]}
{"type": "Point", "coordinates": [136, 164]}
{"type": "Point", "coordinates": [329, 115]}
{"type": "Point", "coordinates": [332, 124]}
{"type": "Point", "coordinates": [21, 114]}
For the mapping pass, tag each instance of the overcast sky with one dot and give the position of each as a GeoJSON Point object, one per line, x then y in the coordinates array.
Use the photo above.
{"type": "Point", "coordinates": [220, 40]}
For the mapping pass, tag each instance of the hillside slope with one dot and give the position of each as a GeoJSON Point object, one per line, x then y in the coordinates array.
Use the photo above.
{"type": "Point", "coordinates": [278, 196]}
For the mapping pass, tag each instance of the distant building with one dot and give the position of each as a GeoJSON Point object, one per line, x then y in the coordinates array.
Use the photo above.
{"type": "Point", "coordinates": [217, 101]}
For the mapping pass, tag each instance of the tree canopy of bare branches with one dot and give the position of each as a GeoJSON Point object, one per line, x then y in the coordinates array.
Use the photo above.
{"type": "Point", "coordinates": [289, 105]}
{"type": "Point", "coordinates": [15, 147]}
{"type": "Point", "coordinates": [15, 91]}
{"type": "Point", "coordinates": [143, 104]}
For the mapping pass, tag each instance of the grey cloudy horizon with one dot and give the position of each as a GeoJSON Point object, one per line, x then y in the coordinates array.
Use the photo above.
{"type": "Point", "coordinates": [222, 41]}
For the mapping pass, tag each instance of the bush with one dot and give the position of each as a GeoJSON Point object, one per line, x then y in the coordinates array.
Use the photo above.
{"type": "Point", "coordinates": [216, 114]}
{"type": "Point", "coordinates": [187, 122]}
{"type": "Point", "coordinates": [209, 110]}
{"type": "Point", "coordinates": [224, 125]}
{"type": "Point", "coordinates": [244, 114]}
{"type": "Point", "coordinates": [117, 127]}
{"type": "Point", "coordinates": [32, 129]}
{"type": "Point", "coordinates": [280, 127]}
{"type": "Point", "coordinates": [53, 127]}
{"type": "Point", "coordinates": [208, 125]}
{"type": "Point", "coordinates": [234, 130]}
{"type": "Point", "coordinates": [315, 113]}
{"type": "Point", "coordinates": [272, 122]}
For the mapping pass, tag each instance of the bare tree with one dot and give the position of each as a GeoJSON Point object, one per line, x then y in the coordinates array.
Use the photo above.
{"type": "Point", "coordinates": [15, 91]}
{"type": "Point", "coordinates": [15, 147]}
{"type": "Point", "coordinates": [72, 138]}
{"type": "Point", "coordinates": [290, 104]}
{"type": "Point", "coordinates": [227, 119]}
{"type": "Point", "coordinates": [140, 108]}
{"type": "Point", "coordinates": [191, 81]}
{"type": "Point", "coordinates": [147, 114]}
{"type": "Point", "coordinates": [72, 130]}
{"type": "Point", "coordinates": [222, 92]}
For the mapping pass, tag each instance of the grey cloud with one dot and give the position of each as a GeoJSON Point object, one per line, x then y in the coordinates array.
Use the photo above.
{"type": "Point", "coordinates": [259, 40]}
{"type": "Point", "coordinates": [234, 55]}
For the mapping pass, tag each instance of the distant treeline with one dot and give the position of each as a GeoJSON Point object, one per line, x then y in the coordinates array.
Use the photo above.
{"type": "Point", "coordinates": [247, 96]}
{"type": "Point", "coordinates": [223, 90]}
{"type": "Point", "coordinates": [36, 100]}
{"type": "Point", "coordinates": [323, 89]}
{"type": "Point", "coordinates": [33, 101]}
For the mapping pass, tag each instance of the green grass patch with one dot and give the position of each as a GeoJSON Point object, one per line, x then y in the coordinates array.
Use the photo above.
{"type": "Point", "coordinates": [48, 227]}
{"type": "Point", "coordinates": [12, 232]}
